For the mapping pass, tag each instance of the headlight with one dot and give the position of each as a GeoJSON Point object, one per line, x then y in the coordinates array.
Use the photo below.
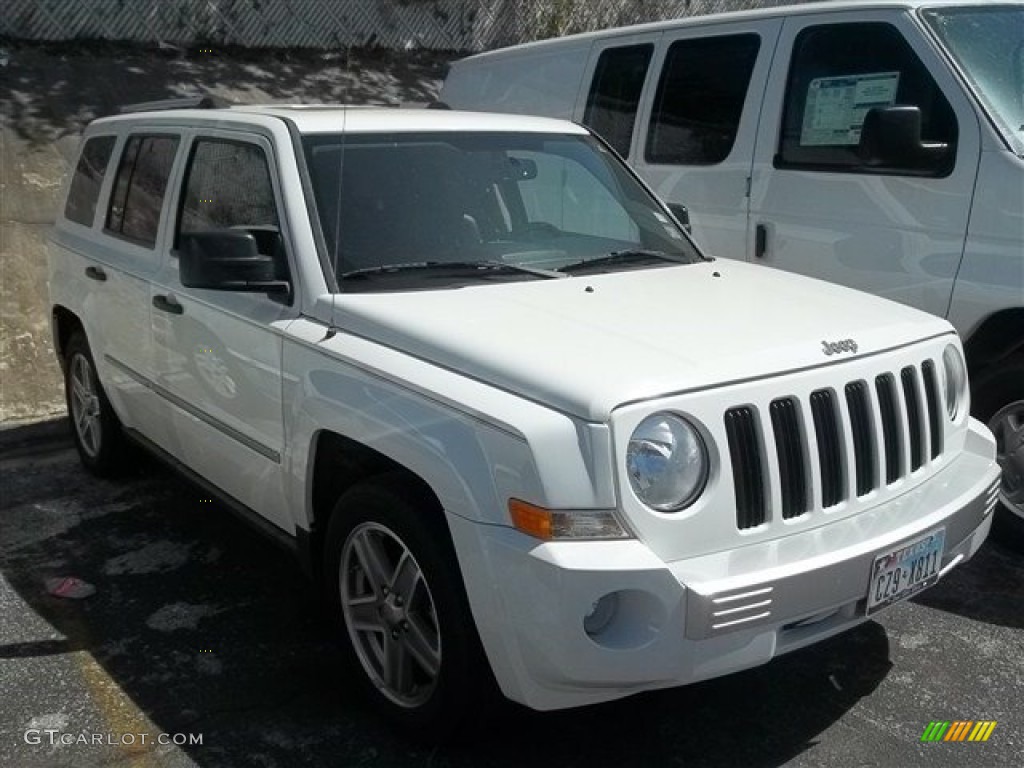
{"type": "Point", "coordinates": [955, 380]}
{"type": "Point", "coordinates": [667, 462]}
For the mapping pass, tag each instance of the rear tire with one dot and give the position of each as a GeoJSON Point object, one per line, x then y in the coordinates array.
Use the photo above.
{"type": "Point", "coordinates": [95, 428]}
{"type": "Point", "coordinates": [393, 582]}
{"type": "Point", "coordinates": [999, 402]}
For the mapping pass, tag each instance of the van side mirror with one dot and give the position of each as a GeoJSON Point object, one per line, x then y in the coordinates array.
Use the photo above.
{"type": "Point", "coordinates": [682, 214]}
{"type": "Point", "coordinates": [226, 260]}
{"type": "Point", "coordinates": [891, 137]}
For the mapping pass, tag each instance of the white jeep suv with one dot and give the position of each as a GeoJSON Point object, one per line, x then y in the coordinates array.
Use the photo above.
{"type": "Point", "coordinates": [477, 376]}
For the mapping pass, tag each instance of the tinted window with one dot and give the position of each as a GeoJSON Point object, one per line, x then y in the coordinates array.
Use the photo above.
{"type": "Point", "coordinates": [88, 178]}
{"type": "Point", "coordinates": [841, 72]}
{"type": "Point", "coordinates": [615, 94]}
{"type": "Point", "coordinates": [228, 185]}
{"type": "Point", "coordinates": [140, 186]}
{"type": "Point", "coordinates": [699, 101]}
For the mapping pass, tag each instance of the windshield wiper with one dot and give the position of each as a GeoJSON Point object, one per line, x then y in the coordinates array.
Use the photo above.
{"type": "Point", "coordinates": [632, 256]}
{"type": "Point", "coordinates": [450, 266]}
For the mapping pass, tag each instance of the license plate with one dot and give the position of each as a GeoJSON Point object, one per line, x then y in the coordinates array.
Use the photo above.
{"type": "Point", "coordinates": [902, 572]}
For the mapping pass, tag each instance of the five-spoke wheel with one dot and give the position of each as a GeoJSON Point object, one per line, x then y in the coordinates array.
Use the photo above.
{"type": "Point", "coordinates": [392, 576]}
{"type": "Point", "coordinates": [94, 425]}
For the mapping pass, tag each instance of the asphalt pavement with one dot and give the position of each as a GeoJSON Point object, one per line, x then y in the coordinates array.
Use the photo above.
{"type": "Point", "coordinates": [203, 635]}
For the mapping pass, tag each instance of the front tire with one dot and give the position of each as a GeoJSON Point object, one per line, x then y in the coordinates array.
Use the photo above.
{"type": "Point", "coordinates": [999, 402]}
{"type": "Point", "coordinates": [392, 580]}
{"type": "Point", "coordinates": [95, 428]}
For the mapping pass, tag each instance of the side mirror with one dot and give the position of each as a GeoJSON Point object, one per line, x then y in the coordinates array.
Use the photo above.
{"type": "Point", "coordinates": [682, 214]}
{"type": "Point", "coordinates": [891, 137]}
{"type": "Point", "coordinates": [226, 260]}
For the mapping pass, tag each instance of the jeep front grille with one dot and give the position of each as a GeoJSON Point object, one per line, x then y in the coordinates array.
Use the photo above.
{"type": "Point", "coordinates": [859, 438]}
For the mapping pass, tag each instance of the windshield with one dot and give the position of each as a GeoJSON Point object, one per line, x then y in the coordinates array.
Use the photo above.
{"type": "Point", "coordinates": [458, 208]}
{"type": "Point", "coordinates": [988, 44]}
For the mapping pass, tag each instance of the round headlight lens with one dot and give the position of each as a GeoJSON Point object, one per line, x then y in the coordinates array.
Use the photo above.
{"type": "Point", "coordinates": [955, 380]}
{"type": "Point", "coordinates": [667, 462]}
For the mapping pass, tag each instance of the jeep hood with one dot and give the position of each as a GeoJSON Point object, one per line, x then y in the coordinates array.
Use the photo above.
{"type": "Point", "coordinates": [587, 344]}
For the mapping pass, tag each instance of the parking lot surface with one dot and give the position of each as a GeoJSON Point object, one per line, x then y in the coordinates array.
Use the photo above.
{"type": "Point", "coordinates": [201, 630]}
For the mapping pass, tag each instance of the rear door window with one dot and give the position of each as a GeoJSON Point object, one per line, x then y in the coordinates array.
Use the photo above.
{"type": "Point", "coordinates": [699, 101]}
{"type": "Point", "coordinates": [88, 178]}
{"type": "Point", "coordinates": [615, 94]}
{"type": "Point", "coordinates": [140, 186]}
{"type": "Point", "coordinates": [838, 74]}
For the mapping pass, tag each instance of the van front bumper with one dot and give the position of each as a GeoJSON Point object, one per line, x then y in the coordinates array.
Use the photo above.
{"type": "Point", "coordinates": [688, 620]}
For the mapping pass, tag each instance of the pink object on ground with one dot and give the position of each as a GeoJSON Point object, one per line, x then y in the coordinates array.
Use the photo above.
{"type": "Point", "coordinates": [69, 587]}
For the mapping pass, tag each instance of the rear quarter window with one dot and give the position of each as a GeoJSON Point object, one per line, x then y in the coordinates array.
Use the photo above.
{"type": "Point", "coordinates": [85, 184]}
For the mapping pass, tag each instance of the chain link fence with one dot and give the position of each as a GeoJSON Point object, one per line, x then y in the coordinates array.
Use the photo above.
{"type": "Point", "coordinates": [453, 25]}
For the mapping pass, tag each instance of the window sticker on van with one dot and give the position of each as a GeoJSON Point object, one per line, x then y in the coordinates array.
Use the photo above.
{"type": "Point", "coordinates": [836, 106]}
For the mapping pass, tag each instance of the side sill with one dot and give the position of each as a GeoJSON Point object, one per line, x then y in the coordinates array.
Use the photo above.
{"type": "Point", "coordinates": [297, 546]}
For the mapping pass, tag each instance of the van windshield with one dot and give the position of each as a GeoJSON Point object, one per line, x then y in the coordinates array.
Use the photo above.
{"type": "Point", "coordinates": [988, 44]}
{"type": "Point", "coordinates": [428, 210]}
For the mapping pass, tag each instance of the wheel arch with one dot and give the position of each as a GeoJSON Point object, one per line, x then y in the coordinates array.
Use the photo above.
{"type": "Point", "coordinates": [337, 464]}
{"type": "Point", "coordinates": [64, 324]}
{"type": "Point", "coordinates": [999, 336]}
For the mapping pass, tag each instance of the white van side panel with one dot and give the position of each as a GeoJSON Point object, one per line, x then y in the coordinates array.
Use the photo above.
{"type": "Point", "coordinates": [716, 195]}
{"type": "Point", "coordinates": [545, 81]}
{"type": "Point", "coordinates": [894, 235]}
{"type": "Point", "coordinates": [991, 276]}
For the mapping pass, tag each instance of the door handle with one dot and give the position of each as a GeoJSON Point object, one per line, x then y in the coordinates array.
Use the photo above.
{"type": "Point", "coordinates": [168, 304]}
{"type": "Point", "coordinates": [95, 273]}
{"type": "Point", "coordinates": [760, 241]}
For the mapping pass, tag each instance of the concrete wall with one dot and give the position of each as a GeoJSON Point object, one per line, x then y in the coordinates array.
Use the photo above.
{"type": "Point", "coordinates": [48, 94]}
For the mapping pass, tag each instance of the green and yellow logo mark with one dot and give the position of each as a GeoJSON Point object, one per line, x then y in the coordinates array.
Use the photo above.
{"type": "Point", "coordinates": [958, 730]}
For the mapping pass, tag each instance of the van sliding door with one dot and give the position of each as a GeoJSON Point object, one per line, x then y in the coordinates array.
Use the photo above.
{"type": "Point", "coordinates": [695, 141]}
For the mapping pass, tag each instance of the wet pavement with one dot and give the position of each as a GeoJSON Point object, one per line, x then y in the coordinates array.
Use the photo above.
{"type": "Point", "coordinates": [200, 628]}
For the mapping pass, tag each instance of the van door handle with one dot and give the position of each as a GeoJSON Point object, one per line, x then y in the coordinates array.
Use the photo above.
{"type": "Point", "coordinates": [168, 304]}
{"type": "Point", "coordinates": [95, 273]}
{"type": "Point", "coordinates": [760, 241]}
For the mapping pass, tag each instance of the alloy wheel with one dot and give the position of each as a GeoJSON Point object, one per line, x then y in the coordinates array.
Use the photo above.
{"type": "Point", "coordinates": [390, 615]}
{"type": "Point", "coordinates": [85, 405]}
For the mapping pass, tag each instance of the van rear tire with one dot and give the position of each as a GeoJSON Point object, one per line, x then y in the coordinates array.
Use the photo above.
{"type": "Point", "coordinates": [999, 403]}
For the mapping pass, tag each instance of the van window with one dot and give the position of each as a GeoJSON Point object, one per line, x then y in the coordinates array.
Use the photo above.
{"type": "Point", "coordinates": [88, 178]}
{"type": "Point", "coordinates": [699, 101]}
{"type": "Point", "coordinates": [615, 93]}
{"type": "Point", "coordinates": [139, 187]}
{"type": "Point", "coordinates": [840, 72]}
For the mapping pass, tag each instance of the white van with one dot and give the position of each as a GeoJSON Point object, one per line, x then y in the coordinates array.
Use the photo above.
{"type": "Point", "coordinates": [875, 144]}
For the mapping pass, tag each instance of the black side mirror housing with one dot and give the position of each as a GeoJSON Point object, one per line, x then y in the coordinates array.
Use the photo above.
{"type": "Point", "coordinates": [226, 260]}
{"type": "Point", "coordinates": [682, 214]}
{"type": "Point", "coordinates": [891, 137]}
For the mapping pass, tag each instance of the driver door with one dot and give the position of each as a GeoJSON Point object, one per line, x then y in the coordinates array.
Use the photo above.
{"type": "Point", "coordinates": [218, 353]}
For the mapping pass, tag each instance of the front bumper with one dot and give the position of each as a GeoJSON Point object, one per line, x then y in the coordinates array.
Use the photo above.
{"type": "Point", "coordinates": [701, 617]}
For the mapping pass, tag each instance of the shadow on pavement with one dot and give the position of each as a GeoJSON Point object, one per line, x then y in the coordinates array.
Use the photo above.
{"type": "Point", "coordinates": [987, 588]}
{"type": "Point", "coordinates": [209, 629]}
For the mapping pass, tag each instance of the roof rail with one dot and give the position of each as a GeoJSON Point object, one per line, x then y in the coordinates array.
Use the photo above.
{"type": "Point", "coordinates": [192, 102]}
